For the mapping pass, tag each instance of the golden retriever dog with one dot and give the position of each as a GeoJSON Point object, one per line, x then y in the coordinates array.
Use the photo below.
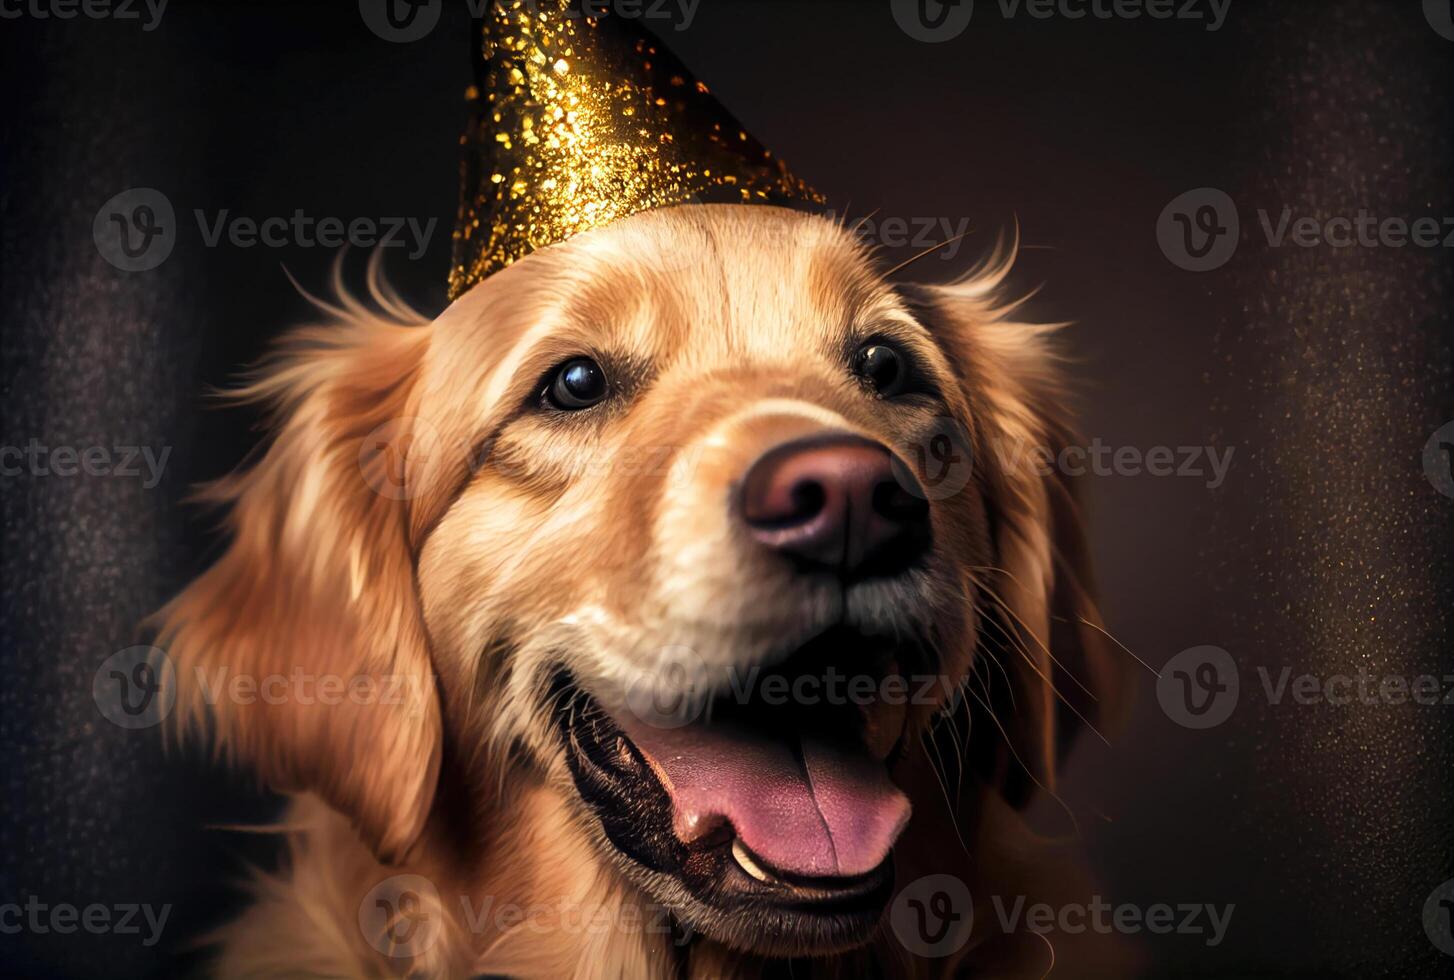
{"type": "Point", "coordinates": [554, 553]}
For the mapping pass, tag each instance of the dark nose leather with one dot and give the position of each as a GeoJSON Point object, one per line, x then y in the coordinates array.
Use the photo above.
{"type": "Point", "coordinates": [836, 503]}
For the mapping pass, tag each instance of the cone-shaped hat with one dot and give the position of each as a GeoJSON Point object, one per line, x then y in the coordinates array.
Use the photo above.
{"type": "Point", "coordinates": [578, 121]}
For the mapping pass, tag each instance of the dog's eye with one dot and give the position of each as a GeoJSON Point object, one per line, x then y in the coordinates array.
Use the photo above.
{"type": "Point", "coordinates": [882, 367]}
{"type": "Point", "coordinates": [576, 384]}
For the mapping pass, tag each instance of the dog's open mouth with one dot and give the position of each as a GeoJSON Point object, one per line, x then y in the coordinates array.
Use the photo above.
{"type": "Point", "coordinates": [777, 824]}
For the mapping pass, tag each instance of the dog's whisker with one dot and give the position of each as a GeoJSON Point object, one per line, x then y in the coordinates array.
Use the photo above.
{"type": "Point", "coordinates": [990, 655]}
{"type": "Point", "coordinates": [1010, 575]}
{"type": "Point", "coordinates": [1040, 643]}
{"type": "Point", "coordinates": [1010, 746]}
{"type": "Point", "coordinates": [958, 760]}
{"type": "Point", "coordinates": [943, 788]}
{"type": "Point", "coordinates": [1050, 946]}
{"type": "Point", "coordinates": [861, 221]}
{"type": "Point", "coordinates": [928, 251]}
{"type": "Point", "coordinates": [1108, 635]}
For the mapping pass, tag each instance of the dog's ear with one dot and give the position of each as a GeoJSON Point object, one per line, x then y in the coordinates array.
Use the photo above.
{"type": "Point", "coordinates": [302, 650]}
{"type": "Point", "coordinates": [1057, 671]}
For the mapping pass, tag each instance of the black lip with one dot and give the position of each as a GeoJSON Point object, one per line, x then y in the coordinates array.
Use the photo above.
{"type": "Point", "coordinates": [635, 812]}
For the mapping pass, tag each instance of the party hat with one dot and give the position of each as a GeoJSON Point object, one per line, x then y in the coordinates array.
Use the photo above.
{"type": "Point", "coordinates": [578, 121]}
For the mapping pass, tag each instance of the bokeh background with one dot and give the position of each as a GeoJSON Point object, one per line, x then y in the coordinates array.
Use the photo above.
{"type": "Point", "coordinates": [1326, 549]}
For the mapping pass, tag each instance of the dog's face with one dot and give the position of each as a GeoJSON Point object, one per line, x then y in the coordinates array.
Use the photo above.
{"type": "Point", "coordinates": [666, 509]}
{"type": "Point", "coordinates": [696, 472]}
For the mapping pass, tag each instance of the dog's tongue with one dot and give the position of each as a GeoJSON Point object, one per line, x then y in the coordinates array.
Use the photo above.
{"type": "Point", "coordinates": [813, 809]}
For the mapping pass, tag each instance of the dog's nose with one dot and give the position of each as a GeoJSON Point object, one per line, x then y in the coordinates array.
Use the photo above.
{"type": "Point", "coordinates": [836, 503]}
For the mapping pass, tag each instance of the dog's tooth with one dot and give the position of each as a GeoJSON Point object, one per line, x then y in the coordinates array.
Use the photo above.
{"type": "Point", "coordinates": [745, 861]}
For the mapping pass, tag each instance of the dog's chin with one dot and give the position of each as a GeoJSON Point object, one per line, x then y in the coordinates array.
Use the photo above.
{"type": "Point", "coordinates": [754, 831]}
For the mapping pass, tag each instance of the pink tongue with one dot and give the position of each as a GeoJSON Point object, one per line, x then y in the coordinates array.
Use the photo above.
{"type": "Point", "coordinates": [830, 812]}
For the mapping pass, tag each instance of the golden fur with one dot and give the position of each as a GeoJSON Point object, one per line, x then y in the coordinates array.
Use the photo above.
{"type": "Point", "coordinates": [413, 522]}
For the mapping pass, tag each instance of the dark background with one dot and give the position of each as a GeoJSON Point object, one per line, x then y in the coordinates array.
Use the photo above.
{"type": "Point", "coordinates": [1326, 550]}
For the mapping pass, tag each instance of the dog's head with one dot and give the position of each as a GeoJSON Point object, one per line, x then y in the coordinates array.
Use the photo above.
{"type": "Point", "coordinates": [679, 515]}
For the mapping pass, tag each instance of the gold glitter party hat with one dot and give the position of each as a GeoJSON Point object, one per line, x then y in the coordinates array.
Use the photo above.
{"type": "Point", "coordinates": [578, 121]}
